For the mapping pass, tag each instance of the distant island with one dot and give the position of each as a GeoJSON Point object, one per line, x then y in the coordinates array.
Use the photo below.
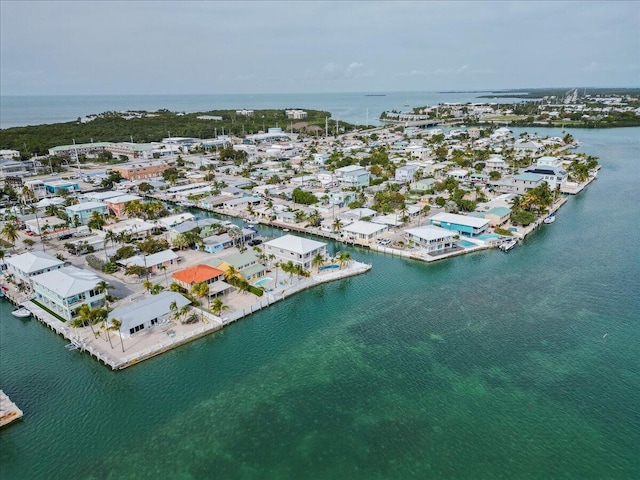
{"type": "Point", "coordinates": [601, 108]}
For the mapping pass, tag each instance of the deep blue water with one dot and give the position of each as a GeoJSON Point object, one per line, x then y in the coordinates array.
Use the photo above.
{"type": "Point", "coordinates": [484, 366]}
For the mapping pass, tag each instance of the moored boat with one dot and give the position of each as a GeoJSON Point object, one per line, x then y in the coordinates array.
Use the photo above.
{"type": "Point", "coordinates": [508, 245]}
{"type": "Point", "coordinates": [21, 312]}
{"type": "Point", "coordinates": [550, 219]}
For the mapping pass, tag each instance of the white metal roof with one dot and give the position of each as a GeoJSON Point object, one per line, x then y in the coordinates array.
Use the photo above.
{"type": "Point", "coordinates": [33, 261]}
{"type": "Point", "coordinates": [430, 232]}
{"type": "Point", "coordinates": [143, 311]}
{"type": "Point", "coordinates": [365, 228]}
{"type": "Point", "coordinates": [460, 219]}
{"type": "Point", "coordinates": [295, 244]}
{"type": "Point", "coordinates": [67, 281]}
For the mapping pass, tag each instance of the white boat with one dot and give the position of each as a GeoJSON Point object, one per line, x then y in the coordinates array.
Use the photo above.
{"type": "Point", "coordinates": [550, 219]}
{"type": "Point", "coordinates": [508, 245]}
{"type": "Point", "coordinates": [252, 221]}
{"type": "Point", "coordinates": [21, 312]}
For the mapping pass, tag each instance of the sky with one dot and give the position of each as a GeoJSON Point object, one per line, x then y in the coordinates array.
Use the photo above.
{"type": "Point", "coordinates": [154, 47]}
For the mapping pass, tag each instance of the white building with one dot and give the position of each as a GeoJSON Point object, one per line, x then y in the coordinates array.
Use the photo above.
{"type": "Point", "coordinates": [144, 314]}
{"type": "Point", "coordinates": [430, 238]}
{"type": "Point", "coordinates": [363, 230]}
{"type": "Point", "coordinates": [66, 289]}
{"type": "Point", "coordinates": [299, 250]}
{"type": "Point", "coordinates": [30, 264]}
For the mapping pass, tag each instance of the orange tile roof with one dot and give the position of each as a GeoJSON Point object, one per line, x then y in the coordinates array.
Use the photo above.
{"type": "Point", "coordinates": [196, 274]}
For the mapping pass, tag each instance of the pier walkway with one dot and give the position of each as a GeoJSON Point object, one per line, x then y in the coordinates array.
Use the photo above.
{"type": "Point", "coordinates": [9, 411]}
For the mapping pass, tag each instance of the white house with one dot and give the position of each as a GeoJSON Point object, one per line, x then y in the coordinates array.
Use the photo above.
{"type": "Point", "coordinates": [430, 238]}
{"type": "Point", "coordinates": [144, 314]}
{"type": "Point", "coordinates": [406, 173]}
{"type": "Point", "coordinates": [524, 182]}
{"type": "Point", "coordinates": [363, 230]}
{"type": "Point", "coordinates": [66, 289]}
{"type": "Point", "coordinates": [30, 264]}
{"type": "Point", "coordinates": [299, 250]}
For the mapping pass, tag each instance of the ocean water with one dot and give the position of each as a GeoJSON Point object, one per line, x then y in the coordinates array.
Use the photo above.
{"type": "Point", "coordinates": [523, 365]}
{"type": "Point", "coordinates": [356, 108]}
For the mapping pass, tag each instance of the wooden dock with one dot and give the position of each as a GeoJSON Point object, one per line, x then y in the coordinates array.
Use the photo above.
{"type": "Point", "coordinates": [9, 411]}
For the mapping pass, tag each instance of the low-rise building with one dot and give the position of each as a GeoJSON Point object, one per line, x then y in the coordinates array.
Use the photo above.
{"type": "Point", "coordinates": [462, 224]}
{"type": "Point", "coordinates": [80, 213]}
{"type": "Point", "coordinates": [299, 250]}
{"type": "Point", "coordinates": [141, 170]}
{"type": "Point", "coordinates": [363, 230]}
{"type": "Point", "coordinates": [430, 238]}
{"type": "Point", "coordinates": [30, 264]}
{"type": "Point", "coordinates": [524, 182]}
{"type": "Point", "coordinates": [66, 289]}
{"type": "Point", "coordinates": [146, 313]}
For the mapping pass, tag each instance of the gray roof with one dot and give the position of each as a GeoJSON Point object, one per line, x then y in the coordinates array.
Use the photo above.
{"type": "Point", "coordinates": [143, 311]}
{"type": "Point", "coordinates": [151, 260]}
{"type": "Point", "coordinates": [67, 281]}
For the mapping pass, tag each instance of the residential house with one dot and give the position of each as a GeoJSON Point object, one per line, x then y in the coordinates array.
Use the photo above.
{"type": "Point", "coordinates": [363, 230]}
{"type": "Point", "coordinates": [524, 182]}
{"type": "Point", "coordinates": [462, 224]}
{"type": "Point", "coordinates": [299, 250]}
{"type": "Point", "coordinates": [80, 213]}
{"type": "Point", "coordinates": [247, 264]}
{"type": "Point", "coordinates": [66, 289]}
{"type": "Point", "coordinates": [406, 173]}
{"type": "Point", "coordinates": [118, 204]}
{"type": "Point", "coordinates": [154, 262]}
{"type": "Point", "coordinates": [353, 176]}
{"type": "Point", "coordinates": [30, 264]}
{"type": "Point", "coordinates": [144, 314]}
{"type": "Point", "coordinates": [430, 238]}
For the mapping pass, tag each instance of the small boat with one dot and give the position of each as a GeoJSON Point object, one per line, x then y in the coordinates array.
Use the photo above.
{"type": "Point", "coordinates": [252, 221]}
{"type": "Point", "coordinates": [508, 245]}
{"type": "Point", "coordinates": [550, 219]}
{"type": "Point", "coordinates": [21, 312]}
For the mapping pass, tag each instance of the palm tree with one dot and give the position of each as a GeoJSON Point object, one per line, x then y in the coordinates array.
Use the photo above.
{"type": "Point", "coordinates": [164, 269]}
{"type": "Point", "coordinates": [147, 285]}
{"type": "Point", "coordinates": [115, 325]}
{"type": "Point", "coordinates": [342, 258]}
{"type": "Point", "coordinates": [337, 225]}
{"type": "Point", "coordinates": [10, 232]}
{"type": "Point", "coordinates": [86, 316]}
{"type": "Point", "coordinates": [201, 289]}
{"type": "Point", "coordinates": [156, 289]}
{"type": "Point", "coordinates": [318, 261]}
{"type": "Point", "coordinates": [217, 307]}
{"type": "Point", "coordinates": [231, 274]}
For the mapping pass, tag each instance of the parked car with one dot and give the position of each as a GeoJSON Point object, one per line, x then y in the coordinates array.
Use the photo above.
{"type": "Point", "coordinates": [65, 236]}
{"type": "Point", "coordinates": [29, 232]}
{"type": "Point", "coordinates": [254, 242]}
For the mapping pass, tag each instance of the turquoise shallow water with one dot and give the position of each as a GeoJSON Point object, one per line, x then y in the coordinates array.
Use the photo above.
{"type": "Point", "coordinates": [485, 366]}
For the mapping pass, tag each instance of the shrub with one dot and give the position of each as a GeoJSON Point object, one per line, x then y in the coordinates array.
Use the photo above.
{"type": "Point", "coordinates": [95, 263]}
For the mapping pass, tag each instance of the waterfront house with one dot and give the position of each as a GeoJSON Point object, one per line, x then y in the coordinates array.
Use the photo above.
{"type": "Point", "coordinates": [430, 238]}
{"type": "Point", "coordinates": [66, 289]}
{"type": "Point", "coordinates": [299, 250]}
{"type": "Point", "coordinates": [173, 220]}
{"type": "Point", "coordinates": [188, 277]}
{"type": "Point", "coordinates": [555, 176]}
{"type": "Point", "coordinates": [363, 230]}
{"type": "Point", "coordinates": [247, 264]}
{"type": "Point", "coordinates": [30, 264]}
{"type": "Point", "coordinates": [524, 182]}
{"type": "Point", "coordinates": [498, 216]}
{"type": "Point", "coordinates": [144, 314]}
{"type": "Point", "coordinates": [81, 212]}
{"type": "Point", "coordinates": [463, 224]}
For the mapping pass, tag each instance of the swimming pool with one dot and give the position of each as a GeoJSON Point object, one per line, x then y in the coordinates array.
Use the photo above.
{"type": "Point", "coordinates": [262, 281]}
{"type": "Point", "coordinates": [325, 267]}
{"type": "Point", "coordinates": [466, 243]}
{"type": "Point", "coordinates": [488, 236]}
